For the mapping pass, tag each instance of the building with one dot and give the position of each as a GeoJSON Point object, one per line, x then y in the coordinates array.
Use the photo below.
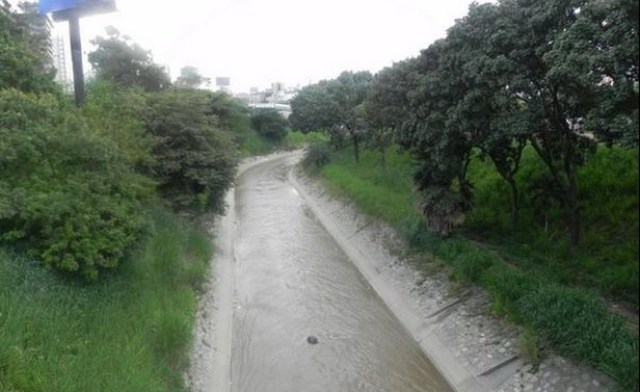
{"type": "Point", "coordinates": [59, 50]}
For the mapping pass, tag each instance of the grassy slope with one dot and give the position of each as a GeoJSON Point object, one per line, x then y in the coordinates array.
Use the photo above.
{"type": "Point", "coordinates": [253, 144]}
{"type": "Point", "coordinates": [549, 290]}
{"type": "Point", "coordinates": [606, 260]}
{"type": "Point", "coordinates": [128, 332]}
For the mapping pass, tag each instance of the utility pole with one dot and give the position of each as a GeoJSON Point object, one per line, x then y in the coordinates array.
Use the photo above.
{"type": "Point", "coordinates": [76, 58]}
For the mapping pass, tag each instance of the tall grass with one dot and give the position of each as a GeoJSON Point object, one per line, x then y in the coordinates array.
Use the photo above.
{"type": "Point", "coordinates": [128, 332]}
{"type": "Point", "coordinates": [253, 144]}
{"type": "Point", "coordinates": [384, 192]}
{"type": "Point", "coordinates": [297, 139]}
{"type": "Point", "coordinates": [606, 259]}
{"type": "Point", "coordinates": [529, 273]}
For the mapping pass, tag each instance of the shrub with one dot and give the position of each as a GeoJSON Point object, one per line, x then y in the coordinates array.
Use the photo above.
{"type": "Point", "coordinates": [115, 113]}
{"type": "Point", "coordinates": [66, 191]}
{"type": "Point", "coordinates": [194, 161]}
{"type": "Point", "coordinates": [270, 124]}
{"type": "Point", "coordinates": [231, 116]}
{"type": "Point", "coordinates": [23, 59]}
{"type": "Point", "coordinates": [317, 155]}
{"type": "Point", "coordinates": [506, 286]}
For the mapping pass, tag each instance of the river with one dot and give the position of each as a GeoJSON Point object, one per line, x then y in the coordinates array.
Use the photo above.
{"type": "Point", "coordinates": [292, 281]}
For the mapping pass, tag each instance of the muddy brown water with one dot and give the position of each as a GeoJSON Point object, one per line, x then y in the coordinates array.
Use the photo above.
{"type": "Point", "coordinates": [293, 281]}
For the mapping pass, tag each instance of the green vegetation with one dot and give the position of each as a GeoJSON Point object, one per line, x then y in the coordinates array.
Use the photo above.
{"type": "Point", "coordinates": [125, 63]}
{"type": "Point", "coordinates": [68, 196]}
{"type": "Point", "coordinates": [605, 262]}
{"type": "Point", "coordinates": [253, 145]}
{"type": "Point", "coordinates": [297, 139]}
{"type": "Point", "coordinates": [519, 133]}
{"type": "Point", "coordinates": [526, 272]}
{"type": "Point", "coordinates": [271, 125]}
{"type": "Point", "coordinates": [130, 331]}
{"type": "Point", "coordinates": [334, 106]}
{"type": "Point", "coordinates": [98, 275]}
{"type": "Point", "coordinates": [194, 162]}
{"type": "Point", "coordinates": [317, 155]}
{"type": "Point", "coordinates": [24, 48]}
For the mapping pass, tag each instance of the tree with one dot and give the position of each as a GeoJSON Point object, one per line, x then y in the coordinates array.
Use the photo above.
{"type": "Point", "coordinates": [191, 78]}
{"type": "Point", "coordinates": [442, 150]}
{"type": "Point", "coordinates": [312, 109]}
{"type": "Point", "coordinates": [335, 107]}
{"type": "Point", "coordinates": [556, 96]}
{"type": "Point", "coordinates": [486, 112]}
{"type": "Point", "coordinates": [348, 92]}
{"type": "Point", "coordinates": [24, 50]}
{"type": "Point", "coordinates": [231, 115]}
{"type": "Point", "coordinates": [194, 161]}
{"type": "Point", "coordinates": [36, 29]}
{"type": "Point", "coordinates": [386, 106]}
{"type": "Point", "coordinates": [119, 60]}
{"type": "Point", "coordinates": [270, 124]}
{"type": "Point", "coordinates": [603, 45]}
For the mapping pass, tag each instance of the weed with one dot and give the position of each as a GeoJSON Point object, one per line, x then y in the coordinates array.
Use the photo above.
{"type": "Point", "coordinates": [530, 349]}
{"type": "Point", "coordinates": [128, 332]}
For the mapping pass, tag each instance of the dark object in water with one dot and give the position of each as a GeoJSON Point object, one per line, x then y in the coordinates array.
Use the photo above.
{"type": "Point", "coordinates": [312, 340]}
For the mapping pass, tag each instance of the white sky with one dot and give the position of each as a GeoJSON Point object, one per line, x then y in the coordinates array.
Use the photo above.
{"type": "Point", "coordinates": [257, 42]}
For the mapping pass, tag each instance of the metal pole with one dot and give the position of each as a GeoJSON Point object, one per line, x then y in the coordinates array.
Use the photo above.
{"type": "Point", "coordinates": [76, 58]}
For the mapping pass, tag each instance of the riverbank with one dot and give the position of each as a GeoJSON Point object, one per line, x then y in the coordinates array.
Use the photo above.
{"type": "Point", "coordinates": [462, 317]}
{"type": "Point", "coordinates": [128, 332]}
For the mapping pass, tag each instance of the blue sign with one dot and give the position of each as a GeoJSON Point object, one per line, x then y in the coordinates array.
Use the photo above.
{"type": "Point", "coordinates": [47, 6]}
{"type": "Point", "coordinates": [83, 6]}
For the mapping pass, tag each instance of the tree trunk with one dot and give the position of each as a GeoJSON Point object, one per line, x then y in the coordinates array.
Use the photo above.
{"type": "Point", "coordinates": [356, 147]}
{"type": "Point", "coordinates": [514, 202]}
{"type": "Point", "coordinates": [383, 159]}
{"type": "Point", "coordinates": [572, 211]}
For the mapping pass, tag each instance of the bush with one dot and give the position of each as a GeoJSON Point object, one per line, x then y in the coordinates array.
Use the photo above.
{"type": "Point", "coordinates": [194, 161]}
{"type": "Point", "coordinates": [115, 113]}
{"type": "Point", "coordinates": [317, 155]}
{"type": "Point", "coordinates": [66, 191]}
{"type": "Point", "coordinates": [23, 62]}
{"type": "Point", "coordinates": [231, 116]}
{"type": "Point", "coordinates": [270, 124]}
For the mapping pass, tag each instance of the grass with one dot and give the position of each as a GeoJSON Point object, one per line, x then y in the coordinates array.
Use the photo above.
{"type": "Point", "coordinates": [531, 275]}
{"type": "Point", "coordinates": [296, 139]}
{"type": "Point", "coordinates": [254, 144]}
{"type": "Point", "coordinates": [383, 193]}
{"type": "Point", "coordinates": [128, 332]}
{"type": "Point", "coordinates": [606, 260]}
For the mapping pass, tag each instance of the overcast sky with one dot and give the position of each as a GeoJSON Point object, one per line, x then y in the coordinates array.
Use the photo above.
{"type": "Point", "coordinates": [257, 42]}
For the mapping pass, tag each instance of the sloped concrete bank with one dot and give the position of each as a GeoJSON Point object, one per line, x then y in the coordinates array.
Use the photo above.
{"type": "Point", "coordinates": [472, 349]}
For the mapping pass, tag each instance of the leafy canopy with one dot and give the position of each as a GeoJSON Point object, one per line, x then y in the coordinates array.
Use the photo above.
{"type": "Point", "coordinates": [125, 63]}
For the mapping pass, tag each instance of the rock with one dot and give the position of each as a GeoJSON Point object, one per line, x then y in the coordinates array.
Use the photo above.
{"type": "Point", "coordinates": [312, 340]}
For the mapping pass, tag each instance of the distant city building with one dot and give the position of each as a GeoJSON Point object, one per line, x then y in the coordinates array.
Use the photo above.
{"type": "Point", "coordinates": [59, 54]}
{"type": "Point", "coordinates": [277, 87]}
{"type": "Point", "coordinates": [276, 97]}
